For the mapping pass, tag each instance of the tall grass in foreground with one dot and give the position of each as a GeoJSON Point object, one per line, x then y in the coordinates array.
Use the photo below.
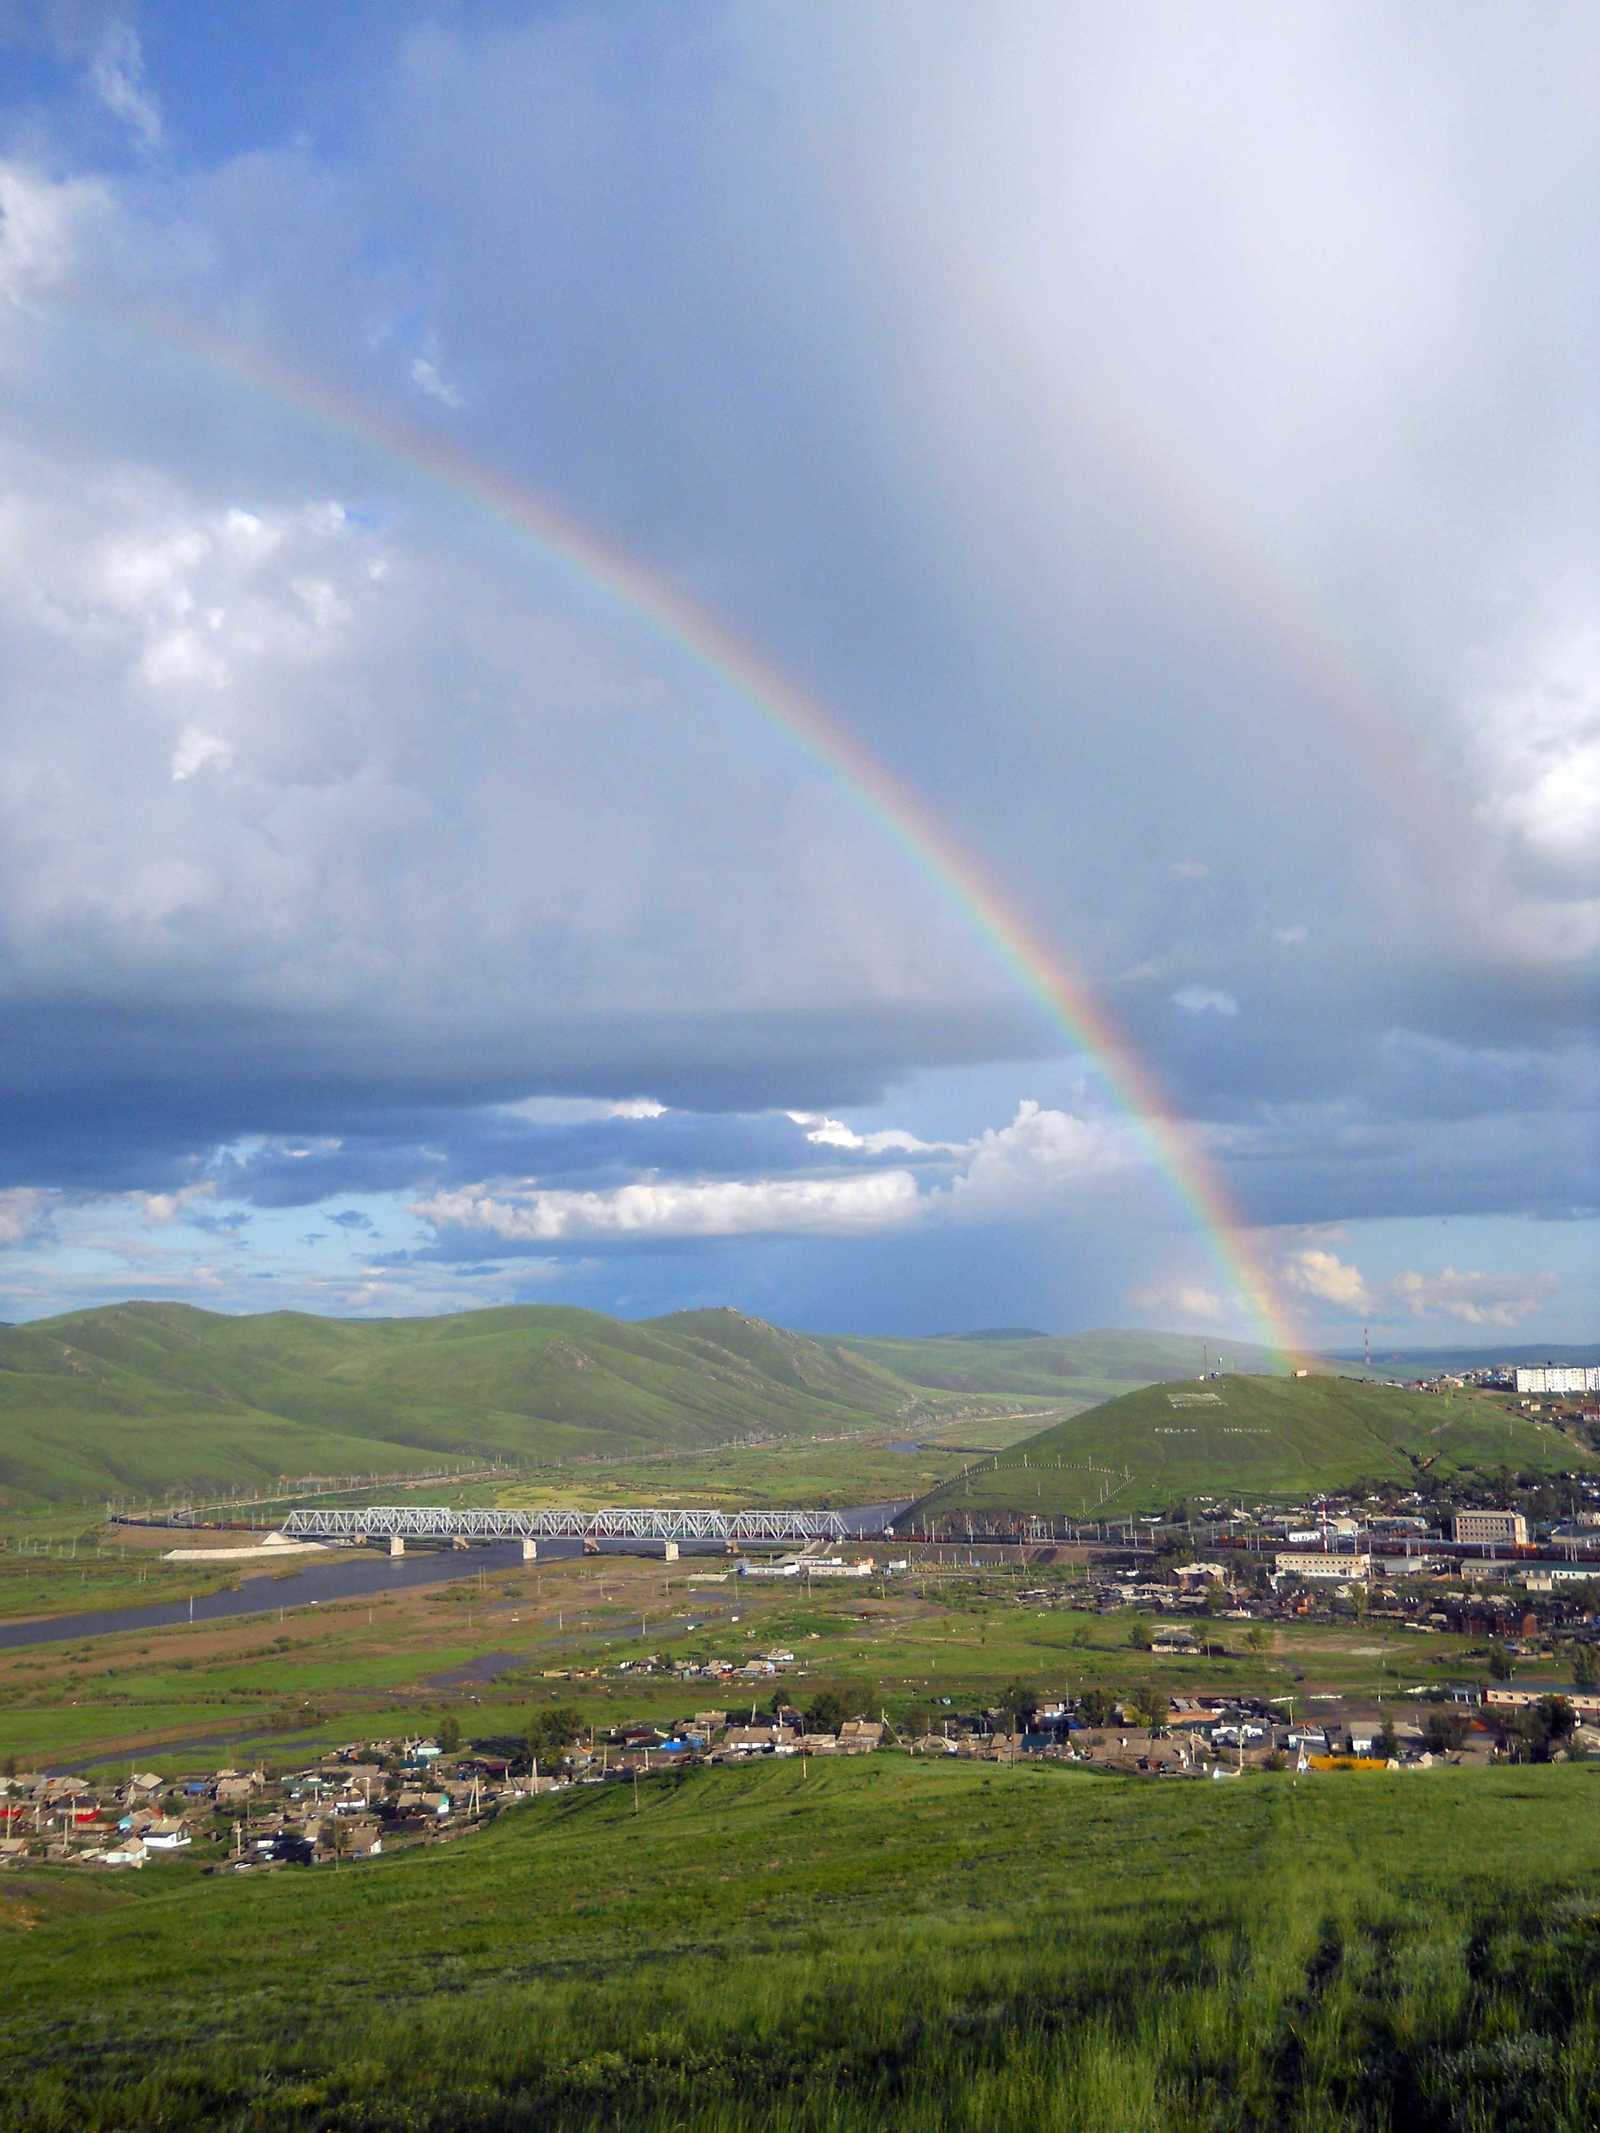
{"type": "Point", "coordinates": [911, 1948]}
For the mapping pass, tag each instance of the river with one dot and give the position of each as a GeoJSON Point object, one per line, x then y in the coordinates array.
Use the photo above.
{"type": "Point", "coordinates": [339, 1576]}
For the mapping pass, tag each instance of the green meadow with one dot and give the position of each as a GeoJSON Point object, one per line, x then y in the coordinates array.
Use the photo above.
{"type": "Point", "coordinates": [852, 1945]}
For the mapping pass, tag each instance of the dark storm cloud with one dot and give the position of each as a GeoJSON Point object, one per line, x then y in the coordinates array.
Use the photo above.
{"type": "Point", "coordinates": [132, 1099]}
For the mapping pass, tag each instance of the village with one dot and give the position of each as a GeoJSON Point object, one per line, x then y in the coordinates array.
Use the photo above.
{"type": "Point", "coordinates": [363, 1798]}
{"type": "Point", "coordinates": [1513, 1586]}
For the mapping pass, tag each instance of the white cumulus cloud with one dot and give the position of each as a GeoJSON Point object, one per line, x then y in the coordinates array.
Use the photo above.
{"type": "Point", "coordinates": [1189, 1300]}
{"type": "Point", "coordinates": [40, 226]}
{"type": "Point", "coordinates": [1312, 1271]}
{"type": "Point", "coordinates": [22, 1210]}
{"type": "Point", "coordinates": [722, 1208]}
{"type": "Point", "coordinates": [825, 1132]}
{"type": "Point", "coordinates": [161, 1208]}
{"type": "Point", "coordinates": [1473, 1298]}
{"type": "Point", "coordinates": [1205, 1000]}
{"type": "Point", "coordinates": [198, 750]}
{"type": "Point", "coordinates": [1031, 1163]}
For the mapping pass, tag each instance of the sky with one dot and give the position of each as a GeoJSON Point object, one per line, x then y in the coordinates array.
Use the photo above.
{"type": "Point", "coordinates": [904, 667]}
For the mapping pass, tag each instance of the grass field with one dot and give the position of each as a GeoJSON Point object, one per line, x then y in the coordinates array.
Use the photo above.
{"type": "Point", "coordinates": [1259, 1438]}
{"type": "Point", "coordinates": [865, 1945]}
{"type": "Point", "coordinates": [817, 1475]}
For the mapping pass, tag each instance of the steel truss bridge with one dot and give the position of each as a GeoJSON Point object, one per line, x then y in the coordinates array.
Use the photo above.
{"type": "Point", "coordinates": [424, 1522]}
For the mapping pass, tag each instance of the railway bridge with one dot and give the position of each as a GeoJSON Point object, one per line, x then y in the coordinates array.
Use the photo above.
{"type": "Point", "coordinates": [731, 1530]}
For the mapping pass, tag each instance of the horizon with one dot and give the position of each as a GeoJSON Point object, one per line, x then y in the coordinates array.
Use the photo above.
{"type": "Point", "coordinates": [1507, 1350]}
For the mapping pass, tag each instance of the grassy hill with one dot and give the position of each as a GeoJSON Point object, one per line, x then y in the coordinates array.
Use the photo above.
{"type": "Point", "coordinates": [137, 1398]}
{"type": "Point", "coordinates": [143, 1396]}
{"type": "Point", "coordinates": [855, 1946]}
{"type": "Point", "coordinates": [1076, 1369]}
{"type": "Point", "coordinates": [1258, 1437]}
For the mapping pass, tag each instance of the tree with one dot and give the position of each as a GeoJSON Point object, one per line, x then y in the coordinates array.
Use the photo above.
{"type": "Point", "coordinates": [449, 1734]}
{"type": "Point", "coordinates": [1017, 1703]}
{"type": "Point", "coordinates": [1216, 1597]}
{"type": "Point", "coordinates": [1501, 1664]}
{"type": "Point", "coordinates": [1151, 1706]}
{"type": "Point", "coordinates": [1097, 1707]}
{"type": "Point", "coordinates": [1557, 1717]}
{"type": "Point", "coordinates": [1139, 1634]}
{"type": "Point", "coordinates": [548, 1734]}
{"type": "Point", "coordinates": [1446, 1730]}
{"type": "Point", "coordinates": [1388, 1744]}
{"type": "Point", "coordinates": [1583, 1663]}
{"type": "Point", "coordinates": [826, 1712]}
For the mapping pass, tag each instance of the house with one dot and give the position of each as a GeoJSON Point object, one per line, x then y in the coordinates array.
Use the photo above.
{"type": "Point", "coordinates": [758, 1740]}
{"type": "Point", "coordinates": [1194, 1577]}
{"type": "Point", "coordinates": [129, 1851]}
{"type": "Point", "coordinates": [859, 1736]}
{"type": "Point", "coordinates": [167, 1835]}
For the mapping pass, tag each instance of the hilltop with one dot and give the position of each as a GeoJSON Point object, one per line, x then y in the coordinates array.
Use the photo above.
{"type": "Point", "coordinates": [1256, 1437]}
{"type": "Point", "coordinates": [137, 1398]}
{"type": "Point", "coordinates": [1080, 1369]}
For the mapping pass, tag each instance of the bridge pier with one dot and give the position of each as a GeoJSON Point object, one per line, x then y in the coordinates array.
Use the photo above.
{"type": "Point", "coordinates": [530, 1551]}
{"type": "Point", "coordinates": [396, 1545]}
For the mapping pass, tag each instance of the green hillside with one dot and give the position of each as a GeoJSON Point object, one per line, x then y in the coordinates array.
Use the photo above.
{"type": "Point", "coordinates": [1075, 1370]}
{"type": "Point", "coordinates": [1257, 1437]}
{"type": "Point", "coordinates": [958, 1948]}
{"type": "Point", "coordinates": [143, 1396]}
{"type": "Point", "coordinates": [134, 1399]}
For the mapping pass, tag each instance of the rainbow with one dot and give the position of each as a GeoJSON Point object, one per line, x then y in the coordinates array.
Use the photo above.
{"type": "Point", "coordinates": [1039, 969]}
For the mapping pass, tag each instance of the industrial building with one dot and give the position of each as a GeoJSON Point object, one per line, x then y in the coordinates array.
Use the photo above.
{"type": "Point", "coordinates": [1491, 1528]}
{"type": "Point", "coordinates": [1318, 1563]}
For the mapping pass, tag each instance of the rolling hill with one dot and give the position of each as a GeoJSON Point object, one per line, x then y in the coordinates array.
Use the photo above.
{"type": "Point", "coordinates": [1254, 1437]}
{"type": "Point", "coordinates": [133, 1399]}
{"type": "Point", "coordinates": [137, 1398]}
{"type": "Point", "coordinates": [1077, 1369]}
{"type": "Point", "coordinates": [144, 1396]}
